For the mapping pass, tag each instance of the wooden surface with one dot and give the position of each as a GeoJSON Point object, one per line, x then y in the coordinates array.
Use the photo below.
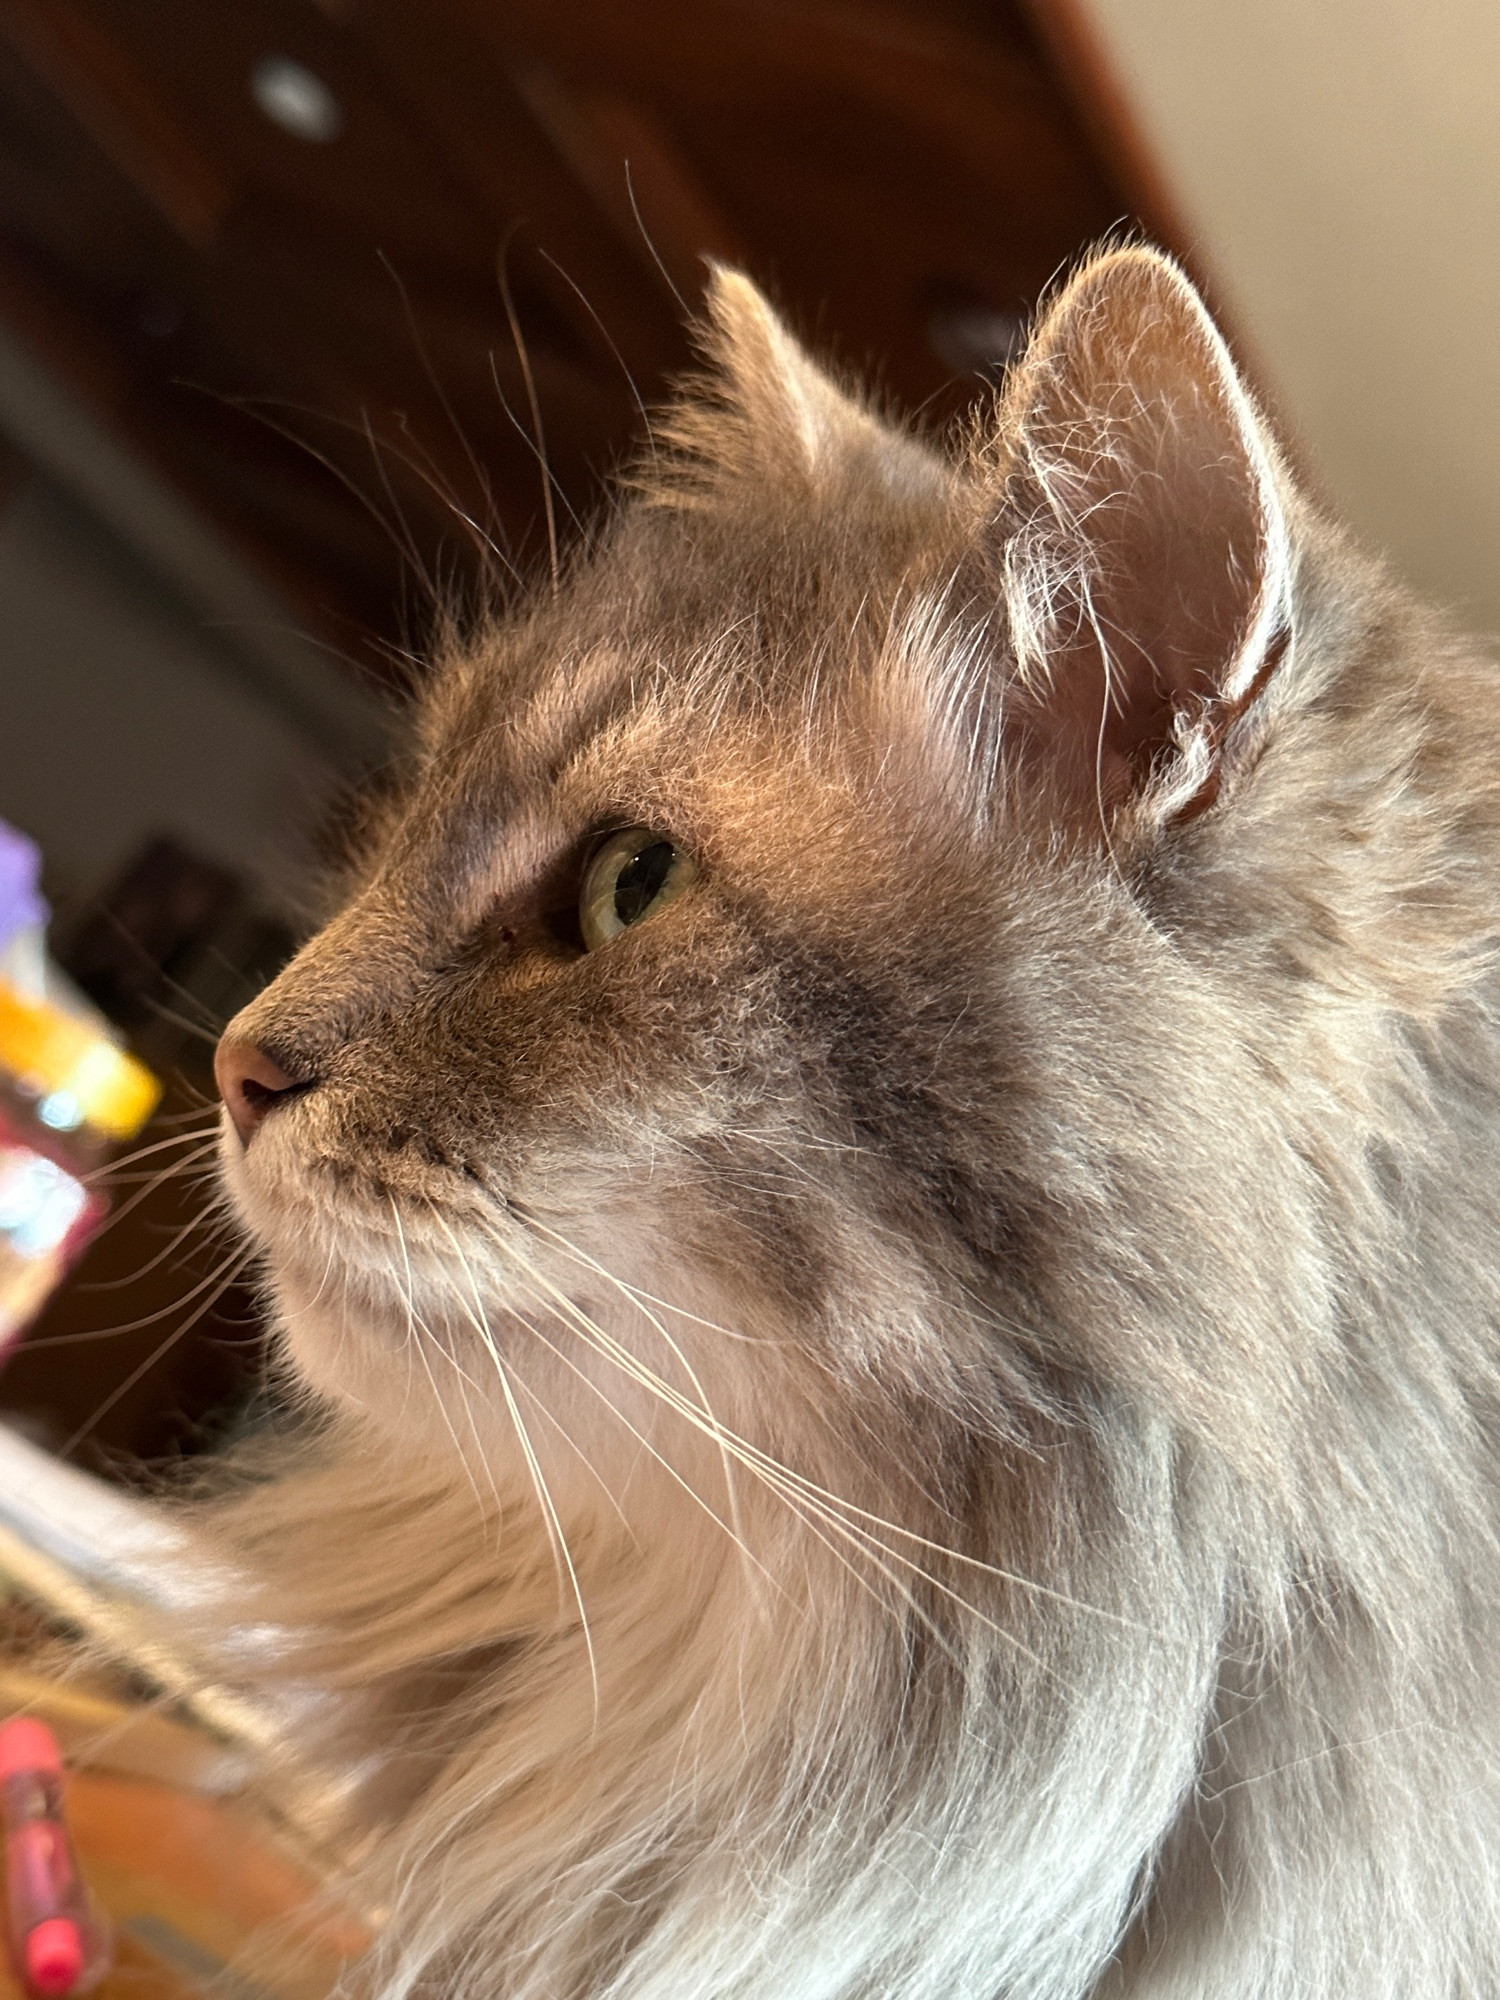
{"type": "Point", "coordinates": [198, 1898]}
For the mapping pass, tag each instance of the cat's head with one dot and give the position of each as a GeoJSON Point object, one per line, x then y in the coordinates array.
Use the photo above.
{"type": "Point", "coordinates": [795, 989]}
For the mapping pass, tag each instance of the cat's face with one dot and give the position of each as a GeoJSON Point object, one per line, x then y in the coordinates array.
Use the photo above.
{"type": "Point", "coordinates": [630, 1022]}
{"type": "Point", "coordinates": [727, 1019]}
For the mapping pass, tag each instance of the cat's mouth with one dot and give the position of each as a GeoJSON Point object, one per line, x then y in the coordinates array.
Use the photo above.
{"type": "Point", "coordinates": [369, 1225]}
{"type": "Point", "coordinates": [395, 1245]}
{"type": "Point", "coordinates": [291, 1179]}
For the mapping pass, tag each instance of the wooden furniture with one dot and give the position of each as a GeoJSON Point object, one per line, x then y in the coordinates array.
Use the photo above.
{"type": "Point", "coordinates": [349, 335]}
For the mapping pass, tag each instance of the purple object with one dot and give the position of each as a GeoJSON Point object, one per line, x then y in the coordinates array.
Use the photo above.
{"type": "Point", "coordinates": [21, 904]}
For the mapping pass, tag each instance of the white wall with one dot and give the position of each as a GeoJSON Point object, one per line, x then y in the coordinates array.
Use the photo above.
{"type": "Point", "coordinates": [1339, 161]}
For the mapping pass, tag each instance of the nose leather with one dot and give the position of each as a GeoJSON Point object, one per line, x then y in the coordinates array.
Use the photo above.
{"type": "Point", "coordinates": [251, 1085]}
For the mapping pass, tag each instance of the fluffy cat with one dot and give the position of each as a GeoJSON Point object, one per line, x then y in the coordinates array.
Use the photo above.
{"type": "Point", "coordinates": [886, 1200]}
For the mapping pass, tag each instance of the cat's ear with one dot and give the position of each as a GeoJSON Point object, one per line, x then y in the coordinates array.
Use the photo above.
{"type": "Point", "coordinates": [766, 411]}
{"type": "Point", "coordinates": [1147, 573]}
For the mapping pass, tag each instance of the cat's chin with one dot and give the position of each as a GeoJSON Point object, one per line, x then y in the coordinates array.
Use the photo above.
{"type": "Point", "coordinates": [493, 1409]}
{"type": "Point", "coordinates": [439, 1322]}
{"type": "Point", "coordinates": [343, 1358]}
{"type": "Point", "coordinates": [354, 1286]}
{"type": "Point", "coordinates": [367, 1319]}
{"type": "Point", "coordinates": [353, 1337]}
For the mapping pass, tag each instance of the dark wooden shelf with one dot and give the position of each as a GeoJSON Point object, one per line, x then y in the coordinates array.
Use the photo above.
{"type": "Point", "coordinates": [310, 339]}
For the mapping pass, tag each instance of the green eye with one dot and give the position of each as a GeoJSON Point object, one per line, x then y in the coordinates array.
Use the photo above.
{"type": "Point", "coordinates": [634, 874]}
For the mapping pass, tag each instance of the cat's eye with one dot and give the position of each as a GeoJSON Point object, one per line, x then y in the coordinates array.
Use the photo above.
{"type": "Point", "coordinates": [634, 874]}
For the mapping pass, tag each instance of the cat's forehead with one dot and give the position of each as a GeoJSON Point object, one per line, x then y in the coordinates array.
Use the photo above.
{"type": "Point", "coordinates": [729, 676]}
{"type": "Point", "coordinates": [699, 619]}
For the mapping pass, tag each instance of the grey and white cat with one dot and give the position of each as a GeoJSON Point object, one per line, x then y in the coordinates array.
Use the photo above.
{"type": "Point", "coordinates": [886, 1197]}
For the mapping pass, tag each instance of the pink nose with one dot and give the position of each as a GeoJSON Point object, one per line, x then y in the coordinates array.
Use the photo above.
{"type": "Point", "coordinates": [251, 1085]}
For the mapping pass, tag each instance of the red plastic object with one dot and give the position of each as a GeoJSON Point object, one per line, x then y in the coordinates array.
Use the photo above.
{"type": "Point", "coordinates": [28, 1745]}
{"type": "Point", "coordinates": [56, 1941]}
{"type": "Point", "coordinates": [55, 1957]}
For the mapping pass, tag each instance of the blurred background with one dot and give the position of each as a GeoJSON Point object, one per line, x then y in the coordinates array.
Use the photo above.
{"type": "Point", "coordinates": [302, 301]}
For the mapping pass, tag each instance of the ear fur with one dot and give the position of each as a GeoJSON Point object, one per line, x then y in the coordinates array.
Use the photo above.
{"type": "Point", "coordinates": [766, 411]}
{"type": "Point", "coordinates": [1147, 571]}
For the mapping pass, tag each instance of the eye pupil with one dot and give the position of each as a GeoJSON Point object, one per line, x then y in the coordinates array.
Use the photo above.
{"type": "Point", "coordinates": [639, 881]}
{"type": "Point", "coordinates": [636, 873]}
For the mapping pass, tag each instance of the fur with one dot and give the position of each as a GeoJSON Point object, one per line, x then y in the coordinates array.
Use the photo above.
{"type": "Point", "coordinates": [923, 1424]}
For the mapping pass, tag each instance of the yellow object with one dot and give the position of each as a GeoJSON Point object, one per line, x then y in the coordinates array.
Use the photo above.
{"type": "Point", "coordinates": [62, 1057]}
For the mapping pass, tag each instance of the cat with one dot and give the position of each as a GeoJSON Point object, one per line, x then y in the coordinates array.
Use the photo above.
{"type": "Point", "coordinates": [884, 1202]}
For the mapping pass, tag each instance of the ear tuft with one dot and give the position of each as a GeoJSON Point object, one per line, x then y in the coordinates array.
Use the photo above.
{"type": "Point", "coordinates": [1147, 571]}
{"type": "Point", "coordinates": [788, 402]}
{"type": "Point", "coordinates": [765, 411]}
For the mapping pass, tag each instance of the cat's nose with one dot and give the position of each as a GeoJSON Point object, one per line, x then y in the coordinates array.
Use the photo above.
{"type": "Point", "coordinates": [251, 1085]}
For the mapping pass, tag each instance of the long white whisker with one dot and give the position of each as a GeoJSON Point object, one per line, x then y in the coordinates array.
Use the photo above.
{"type": "Point", "coordinates": [645, 1443]}
{"type": "Point", "coordinates": [238, 1259]}
{"type": "Point", "coordinates": [809, 1500]}
{"type": "Point", "coordinates": [767, 1465]}
{"type": "Point", "coordinates": [228, 1271]}
{"type": "Point", "coordinates": [810, 1511]}
{"type": "Point", "coordinates": [635, 1299]}
{"type": "Point", "coordinates": [466, 1382]}
{"type": "Point", "coordinates": [112, 1168]}
{"type": "Point", "coordinates": [421, 1352]}
{"type": "Point", "coordinates": [550, 1514]}
{"type": "Point", "coordinates": [551, 1418]}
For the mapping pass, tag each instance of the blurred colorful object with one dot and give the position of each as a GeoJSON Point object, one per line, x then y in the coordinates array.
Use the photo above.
{"type": "Point", "coordinates": [76, 1075]}
{"type": "Point", "coordinates": [221, 1866]}
{"type": "Point", "coordinates": [203, 1899]}
{"type": "Point", "coordinates": [67, 1091]}
{"type": "Point", "coordinates": [202, 1902]}
{"type": "Point", "coordinates": [59, 1946]}
{"type": "Point", "coordinates": [21, 904]}
{"type": "Point", "coordinates": [46, 1217]}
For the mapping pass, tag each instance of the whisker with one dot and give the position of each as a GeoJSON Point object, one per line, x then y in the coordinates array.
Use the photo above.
{"type": "Point", "coordinates": [551, 1418]}
{"type": "Point", "coordinates": [298, 1311]}
{"type": "Point", "coordinates": [588, 306]}
{"type": "Point", "coordinates": [123, 1389]}
{"type": "Point", "coordinates": [420, 1348]}
{"type": "Point", "coordinates": [640, 1437]}
{"type": "Point", "coordinates": [523, 356]}
{"type": "Point", "coordinates": [179, 1237]}
{"type": "Point", "coordinates": [813, 1517]}
{"type": "Point", "coordinates": [402, 540]}
{"type": "Point", "coordinates": [183, 1169]}
{"type": "Point", "coordinates": [113, 1167]}
{"type": "Point", "coordinates": [418, 566]}
{"type": "Point", "coordinates": [238, 1259]}
{"type": "Point", "coordinates": [687, 311]}
{"type": "Point", "coordinates": [466, 1382]}
{"type": "Point", "coordinates": [550, 1514]}
{"type": "Point", "coordinates": [800, 1492]}
{"type": "Point", "coordinates": [634, 1299]}
{"type": "Point", "coordinates": [481, 475]}
{"type": "Point", "coordinates": [875, 1521]}
{"type": "Point", "coordinates": [206, 1031]}
{"type": "Point", "coordinates": [808, 1510]}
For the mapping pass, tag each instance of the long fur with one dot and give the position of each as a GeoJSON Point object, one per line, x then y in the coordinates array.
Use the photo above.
{"type": "Point", "coordinates": [922, 1426]}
